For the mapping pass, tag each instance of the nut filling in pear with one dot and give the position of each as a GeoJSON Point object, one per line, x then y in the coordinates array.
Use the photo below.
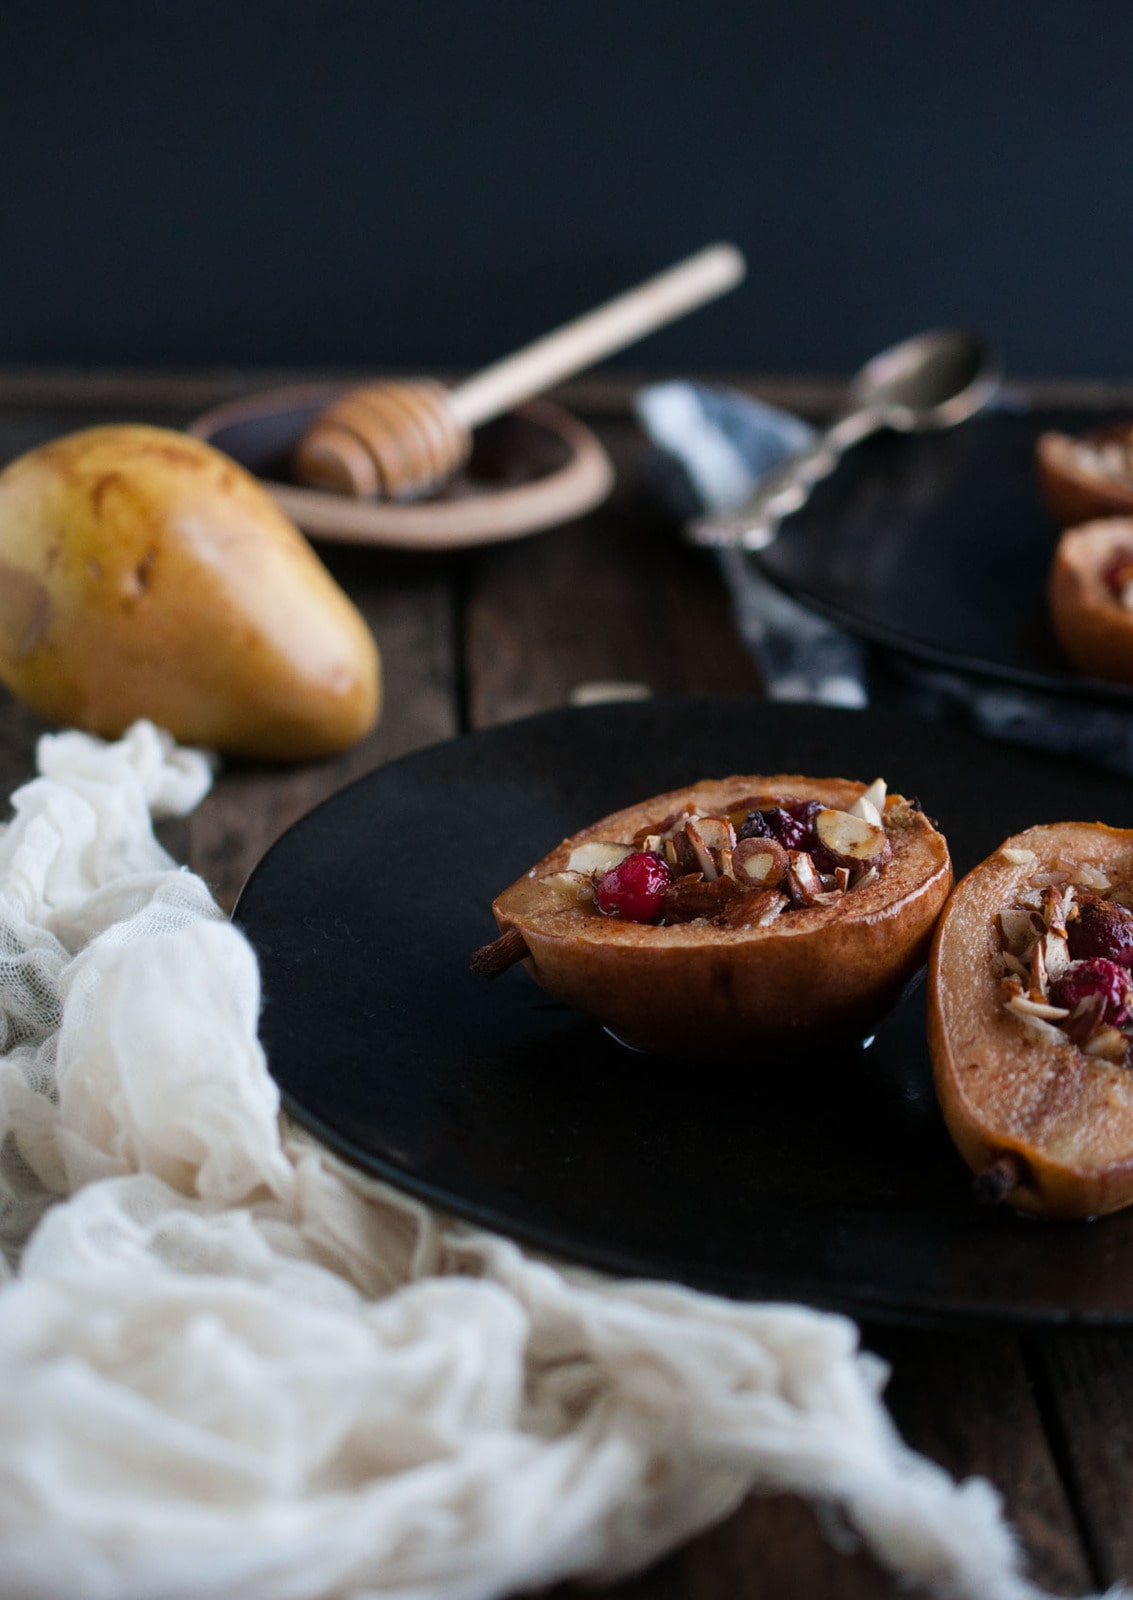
{"type": "Point", "coordinates": [734, 914]}
{"type": "Point", "coordinates": [1031, 1020]}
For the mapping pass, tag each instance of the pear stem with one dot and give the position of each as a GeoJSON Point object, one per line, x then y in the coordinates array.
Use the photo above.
{"type": "Point", "coordinates": [493, 959]}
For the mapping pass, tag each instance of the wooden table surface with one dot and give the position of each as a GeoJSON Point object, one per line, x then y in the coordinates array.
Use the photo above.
{"type": "Point", "coordinates": [488, 636]}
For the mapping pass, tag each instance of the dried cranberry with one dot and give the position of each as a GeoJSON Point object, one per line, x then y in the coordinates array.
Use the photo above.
{"type": "Point", "coordinates": [1118, 570]}
{"type": "Point", "coordinates": [635, 888]}
{"type": "Point", "coordinates": [1085, 980]}
{"type": "Point", "coordinates": [791, 825]}
{"type": "Point", "coordinates": [1101, 928]}
{"type": "Point", "coordinates": [803, 811]}
{"type": "Point", "coordinates": [780, 823]}
{"type": "Point", "coordinates": [756, 825]}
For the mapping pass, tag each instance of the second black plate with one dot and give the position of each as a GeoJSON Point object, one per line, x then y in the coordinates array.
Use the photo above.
{"type": "Point", "coordinates": [826, 1178]}
{"type": "Point", "coordinates": [937, 545]}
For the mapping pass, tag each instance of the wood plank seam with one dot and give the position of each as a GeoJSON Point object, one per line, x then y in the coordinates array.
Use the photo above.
{"type": "Point", "coordinates": [1044, 1389]}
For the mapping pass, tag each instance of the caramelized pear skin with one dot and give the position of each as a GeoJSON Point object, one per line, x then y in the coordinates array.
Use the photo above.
{"type": "Point", "coordinates": [702, 989]}
{"type": "Point", "coordinates": [1046, 1126]}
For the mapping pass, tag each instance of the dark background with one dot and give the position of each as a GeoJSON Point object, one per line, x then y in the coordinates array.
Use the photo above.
{"type": "Point", "coordinates": [429, 184]}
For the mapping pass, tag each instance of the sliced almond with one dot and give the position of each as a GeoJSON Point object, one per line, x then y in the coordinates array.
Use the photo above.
{"type": "Point", "coordinates": [1053, 910]}
{"type": "Point", "coordinates": [775, 905]}
{"type": "Point", "coordinates": [1039, 981]}
{"type": "Point", "coordinates": [803, 880]}
{"type": "Point", "coordinates": [573, 888]}
{"type": "Point", "coordinates": [1018, 858]}
{"type": "Point", "coordinates": [756, 908]}
{"type": "Point", "coordinates": [682, 855]}
{"type": "Point", "coordinates": [753, 909]}
{"type": "Point", "coordinates": [1109, 1043]}
{"type": "Point", "coordinates": [1056, 955]}
{"type": "Point", "coordinates": [875, 794]}
{"type": "Point", "coordinates": [664, 829]}
{"type": "Point", "coordinates": [1026, 1007]}
{"type": "Point", "coordinates": [864, 808]}
{"type": "Point", "coordinates": [717, 833]}
{"type": "Point", "coordinates": [760, 863]}
{"type": "Point", "coordinates": [850, 840]}
{"type": "Point", "coordinates": [597, 855]}
{"type": "Point", "coordinates": [1089, 877]}
{"type": "Point", "coordinates": [1017, 925]}
{"type": "Point", "coordinates": [842, 879]}
{"type": "Point", "coordinates": [701, 849]}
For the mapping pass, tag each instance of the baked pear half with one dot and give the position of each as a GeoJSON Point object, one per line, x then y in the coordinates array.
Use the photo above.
{"type": "Point", "coordinates": [1030, 1023]}
{"type": "Point", "coordinates": [1090, 593]}
{"type": "Point", "coordinates": [1086, 476]}
{"type": "Point", "coordinates": [734, 914]}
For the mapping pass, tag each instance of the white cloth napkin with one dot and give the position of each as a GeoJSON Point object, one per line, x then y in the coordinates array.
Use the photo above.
{"type": "Point", "coordinates": [231, 1366]}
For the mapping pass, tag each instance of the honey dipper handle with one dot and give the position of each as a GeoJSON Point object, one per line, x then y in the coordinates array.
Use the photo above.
{"type": "Point", "coordinates": [539, 366]}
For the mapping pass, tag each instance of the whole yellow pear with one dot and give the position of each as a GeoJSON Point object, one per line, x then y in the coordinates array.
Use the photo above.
{"type": "Point", "coordinates": [145, 574]}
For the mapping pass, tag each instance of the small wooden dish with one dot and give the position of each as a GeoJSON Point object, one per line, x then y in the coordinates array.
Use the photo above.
{"type": "Point", "coordinates": [535, 468]}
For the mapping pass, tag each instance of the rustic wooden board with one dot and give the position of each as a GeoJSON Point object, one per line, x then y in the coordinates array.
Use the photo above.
{"type": "Point", "coordinates": [773, 1548]}
{"type": "Point", "coordinates": [616, 596]}
{"type": "Point", "coordinates": [998, 1432]}
{"type": "Point", "coordinates": [1090, 1378]}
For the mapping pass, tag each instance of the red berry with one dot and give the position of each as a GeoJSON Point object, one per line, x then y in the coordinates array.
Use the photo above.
{"type": "Point", "coordinates": [1101, 928]}
{"type": "Point", "coordinates": [1118, 570]}
{"type": "Point", "coordinates": [635, 888]}
{"type": "Point", "coordinates": [1083, 980]}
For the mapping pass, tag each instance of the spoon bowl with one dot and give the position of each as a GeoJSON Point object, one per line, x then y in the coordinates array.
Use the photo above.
{"type": "Point", "coordinates": [933, 380]}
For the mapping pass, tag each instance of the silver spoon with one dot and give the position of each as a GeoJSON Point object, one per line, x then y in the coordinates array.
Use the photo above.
{"type": "Point", "coordinates": [932, 380]}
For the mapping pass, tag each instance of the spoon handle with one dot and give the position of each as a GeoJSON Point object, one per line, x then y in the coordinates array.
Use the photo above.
{"type": "Point", "coordinates": [578, 344]}
{"type": "Point", "coordinates": [754, 525]}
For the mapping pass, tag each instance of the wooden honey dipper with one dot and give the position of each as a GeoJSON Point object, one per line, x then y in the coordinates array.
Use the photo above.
{"type": "Point", "coordinates": [402, 439]}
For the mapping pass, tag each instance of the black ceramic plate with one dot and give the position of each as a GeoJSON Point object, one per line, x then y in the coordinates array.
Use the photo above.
{"type": "Point", "coordinates": [937, 545]}
{"type": "Point", "coordinates": [827, 1179]}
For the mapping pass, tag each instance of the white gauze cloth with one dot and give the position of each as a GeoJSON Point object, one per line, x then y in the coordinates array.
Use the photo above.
{"type": "Point", "coordinates": [231, 1366]}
